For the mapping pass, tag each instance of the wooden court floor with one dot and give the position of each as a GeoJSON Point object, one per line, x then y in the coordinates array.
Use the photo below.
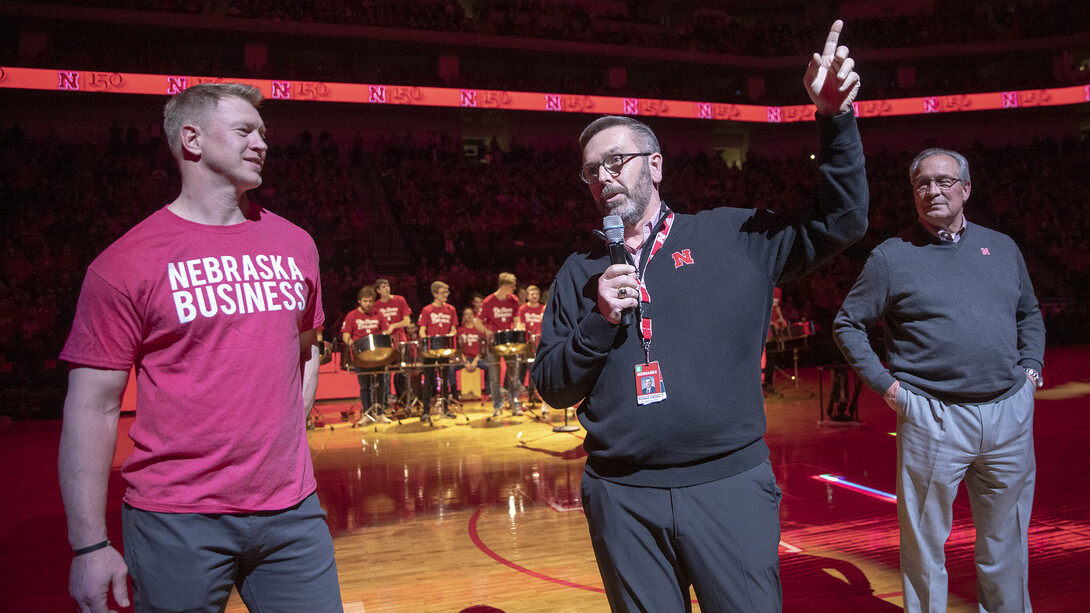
{"type": "Point", "coordinates": [474, 512]}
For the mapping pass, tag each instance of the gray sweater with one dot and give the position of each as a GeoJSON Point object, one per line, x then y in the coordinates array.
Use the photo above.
{"type": "Point", "coordinates": [961, 319]}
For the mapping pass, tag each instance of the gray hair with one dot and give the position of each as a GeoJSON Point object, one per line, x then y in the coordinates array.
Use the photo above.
{"type": "Point", "coordinates": [640, 131]}
{"type": "Point", "coordinates": [963, 164]}
{"type": "Point", "coordinates": [192, 105]}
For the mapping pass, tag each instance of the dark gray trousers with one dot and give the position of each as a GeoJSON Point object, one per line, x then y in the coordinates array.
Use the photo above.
{"type": "Point", "coordinates": [280, 561]}
{"type": "Point", "coordinates": [722, 538]}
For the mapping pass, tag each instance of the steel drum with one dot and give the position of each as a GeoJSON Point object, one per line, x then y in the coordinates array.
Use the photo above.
{"type": "Point", "coordinates": [800, 329]}
{"type": "Point", "coordinates": [325, 353]}
{"type": "Point", "coordinates": [410, 353]}
{"type": "Point", "coordinates": [373, 351]}
{"type": "Point", "coordinates": [792, 331]}
{"type": "Point", "coordinates": [510, 342]}
{"type": "Point", "coordinates": [439, 347]}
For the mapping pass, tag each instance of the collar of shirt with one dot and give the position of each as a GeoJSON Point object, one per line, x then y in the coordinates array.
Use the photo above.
{"type": "Point", "coordinates": [944, 235]}
{"type": "Point", "coordinates": [952, 237]}
{"type": "Point", "coordinates": [636, 252]}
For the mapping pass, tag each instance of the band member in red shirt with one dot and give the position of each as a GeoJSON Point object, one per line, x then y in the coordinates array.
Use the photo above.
{"type": "Point", "coordinates": [498, 313]}
{"type": "Point", "coordinates": [470, 338]}
{"type": "Point", "coordinates": [437, 319]}
{"type": "Point", "coordinates": [397, 312]}
{"type": "Point", "coordinates": [529, 319]}
{"type": "Point", "coordinates": [362, 321]}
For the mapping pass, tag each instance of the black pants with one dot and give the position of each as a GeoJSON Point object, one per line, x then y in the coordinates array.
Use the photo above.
{"type": "Point", "coordinates": [432, 378]}
{"type": "Point", "coordinates": [720, 537]}
{"type": "Point", "coordinates": [366, 381]}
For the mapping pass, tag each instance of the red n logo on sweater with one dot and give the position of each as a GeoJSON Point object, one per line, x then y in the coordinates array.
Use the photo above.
{"type": "Point", "coordinates": [682, 258]}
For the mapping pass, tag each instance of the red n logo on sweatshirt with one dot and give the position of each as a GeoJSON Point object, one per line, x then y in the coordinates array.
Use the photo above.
{"type": "Point", "coordinates": [682, 258]}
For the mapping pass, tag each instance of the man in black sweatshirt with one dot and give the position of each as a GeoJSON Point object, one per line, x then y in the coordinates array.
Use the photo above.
{"type": "Point", "coordinates": [964, 345]}
{"type": "Point", "coordinates": [678, 488]}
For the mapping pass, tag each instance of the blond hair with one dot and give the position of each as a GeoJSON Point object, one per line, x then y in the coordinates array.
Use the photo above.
{"type": "Point", "coordinates": [193, 104]}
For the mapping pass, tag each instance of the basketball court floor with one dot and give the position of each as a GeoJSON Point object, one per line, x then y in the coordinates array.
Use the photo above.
{"type": "Point", "coordinates": [482, 514]}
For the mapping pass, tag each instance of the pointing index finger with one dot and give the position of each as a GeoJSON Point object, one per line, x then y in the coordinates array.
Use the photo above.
{"type": "Point", "coordinates": [832, 39]}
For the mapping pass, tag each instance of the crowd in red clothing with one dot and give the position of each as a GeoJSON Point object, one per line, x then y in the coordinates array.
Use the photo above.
{"type": "Point", "coordinates": [699, 26]}
{"type": "Point", "coordinates": [464, 219]}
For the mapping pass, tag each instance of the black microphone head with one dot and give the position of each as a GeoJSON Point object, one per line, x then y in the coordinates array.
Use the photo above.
{"type": "Point", "coordinates": [613, 228]}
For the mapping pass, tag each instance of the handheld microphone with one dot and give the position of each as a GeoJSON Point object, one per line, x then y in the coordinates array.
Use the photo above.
{"type": "Point", "coordinates": [613, 228]}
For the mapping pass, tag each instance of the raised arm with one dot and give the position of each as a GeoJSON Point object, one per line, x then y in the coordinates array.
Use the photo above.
{"type": "Point", "coordinates": [88, 439]}
{"type": "Point", "coordinates": [831, 80]}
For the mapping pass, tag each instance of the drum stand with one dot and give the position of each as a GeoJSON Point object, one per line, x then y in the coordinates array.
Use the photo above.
{"type": "Point", "coordinates": [376, 402]}
{"type": "Point", "coordinates": [438, 400]}
{"type": "Point", "coordinates": [793, 376]}
{"type": "Point", "coordinates": [566, 427]}
{"type": "Point", "coordinates": [530, 391]}
{"type": "Point", "coordinates": [516, 387]}
{"type": "Point", "coordinates": [449, 402]}
{"type": "Point", "coordinates": [408, 399]}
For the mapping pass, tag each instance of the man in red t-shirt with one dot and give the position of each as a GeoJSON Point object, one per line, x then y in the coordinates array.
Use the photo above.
{"type": "Point", "coordinates": [362, 321]}
{"type": "Point", "coordinates": [397, 312]}
{"type": "Point", "coordinates": [498, 313]}
{"type": "Point", "coordinates": [197, 283]}
{"type": "Point", "coordinates": [529, 319]}
{"type": "Point", "coordinates": [437, 319]}
{"type": "Point", "coordinates": [529, 314]}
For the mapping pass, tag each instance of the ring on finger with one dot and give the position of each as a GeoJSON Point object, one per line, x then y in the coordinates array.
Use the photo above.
{"type": "Point", "coordinates": [622, 292]}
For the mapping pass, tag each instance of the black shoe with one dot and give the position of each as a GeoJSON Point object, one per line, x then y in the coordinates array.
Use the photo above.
{"type": "Point", "coordinates": [449, 415]}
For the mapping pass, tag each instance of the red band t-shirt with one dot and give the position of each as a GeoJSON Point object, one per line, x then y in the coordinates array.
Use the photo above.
{"type": "Point", "coordinates": [499, 314]}
{"type": "Point", "coordinates": [359, 324]}
{"type": "Point", "coordinates": [469, 340]}
{"type": "Point", "coordinates": [394, 310]}
{"type": "Point", "coordinates": [530, 317]}
{"type": "Point", "coordinates": [438, 321]}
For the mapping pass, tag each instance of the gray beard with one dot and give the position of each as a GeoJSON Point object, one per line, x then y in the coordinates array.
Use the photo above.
{"type": "Point", "coordinates": [631, 212]}
{"type": "Point", "coordinates": [632, 215]}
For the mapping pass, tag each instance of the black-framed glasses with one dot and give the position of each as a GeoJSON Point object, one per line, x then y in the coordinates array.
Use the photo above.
{"type": "Point", "coordinates": [613, 165]}
{"type": "Point", "coordinates": [923, 184]}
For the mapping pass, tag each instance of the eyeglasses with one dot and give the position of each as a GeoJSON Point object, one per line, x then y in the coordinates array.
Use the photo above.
{"type": "Point", "coordinates": [923, 184]}
{"type": "Point", "coordinates": [613, 165]}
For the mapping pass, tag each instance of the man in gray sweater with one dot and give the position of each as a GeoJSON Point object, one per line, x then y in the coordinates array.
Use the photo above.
{"type": "Point", "coordinates": [964, 346]}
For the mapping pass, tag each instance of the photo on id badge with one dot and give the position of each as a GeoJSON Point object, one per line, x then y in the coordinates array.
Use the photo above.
{"type": "Point", "coordinates": [649, 384]}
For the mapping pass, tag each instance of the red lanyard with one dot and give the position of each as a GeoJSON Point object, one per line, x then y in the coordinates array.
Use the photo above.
{"type": "Point", "coordinates": [645, 296]}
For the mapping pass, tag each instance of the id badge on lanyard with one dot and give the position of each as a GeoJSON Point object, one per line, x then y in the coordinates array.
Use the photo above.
{"type": "Point", "coordinates": [650, 386]}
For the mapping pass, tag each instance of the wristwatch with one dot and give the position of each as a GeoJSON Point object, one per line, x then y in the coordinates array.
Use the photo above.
{"type": "Point", "coordinates": [1036, 376]}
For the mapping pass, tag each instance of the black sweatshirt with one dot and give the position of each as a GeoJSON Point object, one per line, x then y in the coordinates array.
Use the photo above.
{"type": "Point", "coordinates": [710, 321]}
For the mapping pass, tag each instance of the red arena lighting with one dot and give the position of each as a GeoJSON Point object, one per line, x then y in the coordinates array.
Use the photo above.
{"type": "Point", "coordinates": [362, 93]}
